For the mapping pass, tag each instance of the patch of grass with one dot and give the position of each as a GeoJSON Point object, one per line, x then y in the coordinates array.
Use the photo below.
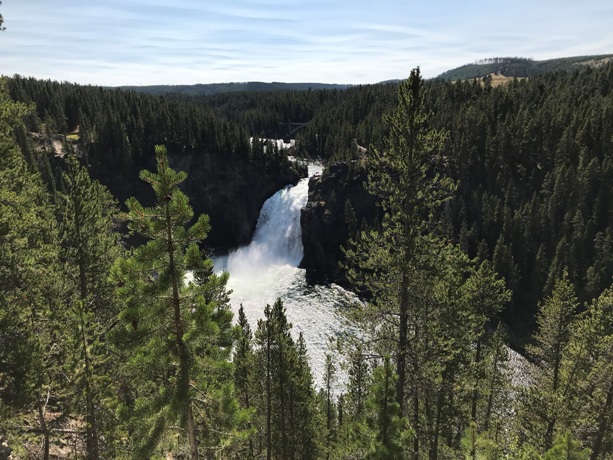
{"type": "Point", "coordinates": [499, 79]}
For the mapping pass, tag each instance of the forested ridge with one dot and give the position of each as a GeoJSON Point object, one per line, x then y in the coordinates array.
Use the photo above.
{"type": "Point", "coordinates": [490, 200]}
{"type": "Point", "coordinates": [215, 88]}
{"type": "Point", "coordinates": [114, 133]}
{"type": "Point", "coordinates": [522, 67]}
{"type": "Point", "coordinates": [114, 128]}
{"type": "Point", "coordinates": [532, 164]}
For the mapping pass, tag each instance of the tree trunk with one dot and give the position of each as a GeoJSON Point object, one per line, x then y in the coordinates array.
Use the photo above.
{"type": "Point", "coordinates": [415, 395]}
{"type": "Point", "coordinates": [285, 448]}
{"type": "Point", "coordinates": [43, 426]}
{"type": "Point", "coordinates": [91, 435]}
{"type": "Point", "coordinates": [603, 424]}
{"type": "Point", "coordinates": [183, 381]}
{"type": "Point", "coordinates": [403, 340]}
{"type": "Point", "coordinates": [437, 425]}
{"type": "Point", "coordinates": [475, 392]}
{"type": "Point", "coordinates": [490, 398]}
{"type": "Point", "coordinates": [268, 395]}
{"type": "Point", "coordinates": [191, 432]}
{"type": "Point", "coordinates": [250, 425]}
{"type": "Point", "coordinates": [551, 424]}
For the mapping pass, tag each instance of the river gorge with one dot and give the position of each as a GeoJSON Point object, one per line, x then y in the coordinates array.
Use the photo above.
{"type": "Point", "coordinates": [268, 268]}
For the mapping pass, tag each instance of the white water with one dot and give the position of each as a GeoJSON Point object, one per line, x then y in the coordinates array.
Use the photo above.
{"type": "Point", "coordinates": [280, 143]}
{"type": "Point", "coordinates": [268, 269]}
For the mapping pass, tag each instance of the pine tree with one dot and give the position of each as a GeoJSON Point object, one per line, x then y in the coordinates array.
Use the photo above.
{"type": "Point", "coordinates": [352, 439]}
{"type": "Point", "coordinates": [381, 261]}
{"type": "Point", "coordinates": [288, 399]}
{"type": "Point", "coordinates": [496, 384]}
{"type": "Point", "coordinates": [244, 369]}
{"type": "Point", "coordinates": [31, 302]}
{"type": "Point", "coordinates": [477, 447]}
{"type": "Point", "coordinates": [547, 398]}
{"type": "Point", "coordinates": [487, 296]}
{"type": "Point", "coordinates": [89, 247]}
{"type": "Point", "coordinates": [174, 332]}
{"type": "Point", "coordinates": [306, 418]}
{"type": "Point", "coordinates": [590, 357]}
{"type": "Point", "coordinates": [328, 406]}
{"type": "Point", "coordinates": [359, 382]}
{"type": "Point", "coordinates": [566, 448]}
{"type": "Point", "coordinates": [384, 418]}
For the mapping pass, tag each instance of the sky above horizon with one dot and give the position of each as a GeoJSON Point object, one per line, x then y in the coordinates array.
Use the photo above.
{"type": "Point", "coordinates": [147, 42]}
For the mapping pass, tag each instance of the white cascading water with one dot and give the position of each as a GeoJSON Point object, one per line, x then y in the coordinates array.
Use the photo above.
{"type": "Point", "coordinates": [267, 269]}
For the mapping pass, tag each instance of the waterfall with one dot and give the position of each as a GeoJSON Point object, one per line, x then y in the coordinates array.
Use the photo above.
{"type": "Point", "coordinates": [278, 237]}
{"type": "Point", "coordinates": [267, 269]}
{"type": "Point", "coordinates": [277, 241]}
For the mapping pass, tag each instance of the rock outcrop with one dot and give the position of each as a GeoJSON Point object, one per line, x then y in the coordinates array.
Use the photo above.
{"type": "Point", "coordinates": [327, 222]}
{"type": "Point", "coordinates": [232, 193]}
{"type": "Point", "coordinates": [230, 189]}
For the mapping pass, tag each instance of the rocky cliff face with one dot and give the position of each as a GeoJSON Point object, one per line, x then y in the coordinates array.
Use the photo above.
{"type": "Point", "coordinates": [232, 192]}
{"type": "Point", "coordinates": [326, 220]}
{"type": "Point", "coordinates": [230, 189]}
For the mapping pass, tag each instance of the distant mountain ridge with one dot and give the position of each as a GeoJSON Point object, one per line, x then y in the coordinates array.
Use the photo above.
{"type": "Point", "coordinates": [522, 67]}
{"type": "Point", "coordinates": [207, 89]}
{"type": "Point", "coordinates": [507, 66]}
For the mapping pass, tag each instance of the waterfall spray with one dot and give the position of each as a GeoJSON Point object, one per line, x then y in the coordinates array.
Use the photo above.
{"type": "Point", "coordinates": [268, 268]}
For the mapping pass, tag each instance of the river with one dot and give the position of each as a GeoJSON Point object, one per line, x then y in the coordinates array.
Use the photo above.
{"type": "Point", "coordinates": [267, 269]}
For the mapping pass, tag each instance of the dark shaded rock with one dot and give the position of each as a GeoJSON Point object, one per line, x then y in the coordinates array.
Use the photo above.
{"type": "Point", "coordinates": [230, 189]}
{"type": "Point", "coordinates": [324, 224]}
{"type": "Point", "coordinates": [232, 193]}
{"type": "Point", "coordinates": [5, 450]}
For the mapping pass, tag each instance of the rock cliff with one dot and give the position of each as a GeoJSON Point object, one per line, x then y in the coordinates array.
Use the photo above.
{"type": "Point", "coordinates": [338, 204]}
{"type": "Point", "coordinates": [232, 192]}
{"type": "Point", "coordinates": [230, 189]}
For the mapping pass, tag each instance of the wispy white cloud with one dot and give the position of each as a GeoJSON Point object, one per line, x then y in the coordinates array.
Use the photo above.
{"type": "Point", "coordinates": [115, 42]}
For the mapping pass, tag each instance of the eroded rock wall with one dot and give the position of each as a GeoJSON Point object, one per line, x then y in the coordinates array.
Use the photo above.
{"type": "Point", "coordinates": [325, 226]}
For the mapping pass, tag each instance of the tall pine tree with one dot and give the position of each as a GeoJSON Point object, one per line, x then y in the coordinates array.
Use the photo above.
{"type": "Point", "coordinates": [89, 247]}
{"type": "Point", "coordinates": [174, 331]}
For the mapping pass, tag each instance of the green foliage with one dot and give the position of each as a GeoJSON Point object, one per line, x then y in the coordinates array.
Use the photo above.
{"type": "Point", "coordinates": [477, 447]}
{"type": "Point", "coordinates": [245, 378]}
{"type": "Point", "coordinates": [209, 89]}
{"type": "Point", "coordinates": [31, 301]}
{"type": "Point", "coordinates": [431, 306]}
{"type": "Point", "coordinates": [547, 397]}
{"type": "Point", "coordinates": [530, 159]}
{"type": "Point", "coordinates": [286, 405]}
{"type": "Point", "coordinates": [591, 398]}
{"type": "Point", "coordinates": [177, 337]}
{"type": "Point", "coordinates": [89, 247]}
{"type": "Point", "coordinates": [566, 448]}
{"type": "Point", "coordinates": [118, 130]}
{"type": "Point", "coordinates": [390, 433]}
{"type": "Point", "coordinates": [533, 171]}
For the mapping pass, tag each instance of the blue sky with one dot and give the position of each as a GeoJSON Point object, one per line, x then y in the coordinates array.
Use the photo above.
{"type": "Point", "coordinates": [144, 42]}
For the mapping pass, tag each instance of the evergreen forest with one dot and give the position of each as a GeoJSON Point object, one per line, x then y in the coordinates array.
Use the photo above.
{"type": "Point", "coordinates": [493, 226]}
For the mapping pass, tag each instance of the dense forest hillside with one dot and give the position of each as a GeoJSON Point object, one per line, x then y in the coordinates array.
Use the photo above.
{"type": "Point", "coordinates": [114, 133]}
{"type": "Point", "coordinates": [522, 67]}
{"type": "Point", "coordinates": [529, 159]}
{"type": "Point", "coordinates": [533, 167]}
{"type": "Point", "coordinates": [516, 154]}
{"type": "Point", "coordinates": [207, 89]}
{"type": "Point", "coordinates": [454, 209]}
